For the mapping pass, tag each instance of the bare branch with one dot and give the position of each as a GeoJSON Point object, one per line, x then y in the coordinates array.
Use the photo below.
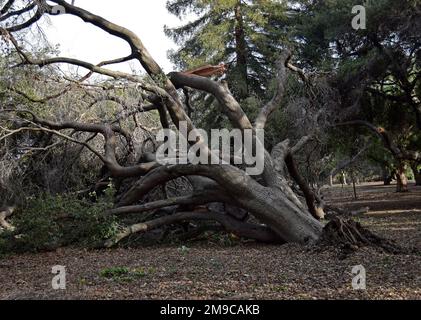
{"type": "Point", "coordinates": [229, 105]}
{"type": "Point", "coordinates": [40, 100]}
{"type": "Point", "coordinates": [107, 131]}
{"type": "Point", "coordinates": [138, 49]}
{"type": "Point", "coordinates": [36, 17]}
{"type": "Point", "coordinates": [93, 68]}
{"type": "Point", "coordinates": [271, 106]}
{"type": "Point", "coordinates": [6, 7]}
{"type": "Point", "coordinates": [57, 133]}
{"type": "Point", "coordinates": [106, 63]}
{"type": "Point", "coordinates": [297, 70]}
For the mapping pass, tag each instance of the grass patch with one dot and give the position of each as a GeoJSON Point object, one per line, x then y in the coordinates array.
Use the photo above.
{"type": "Point", "coordinates": [115, 272]}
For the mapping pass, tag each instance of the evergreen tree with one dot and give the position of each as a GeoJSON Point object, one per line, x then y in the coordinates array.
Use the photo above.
{"type": "Point", "coordinates": [246, 35]}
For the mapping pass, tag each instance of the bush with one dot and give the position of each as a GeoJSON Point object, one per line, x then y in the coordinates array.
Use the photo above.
{"type": "Point", "coordinates": [49, 221]}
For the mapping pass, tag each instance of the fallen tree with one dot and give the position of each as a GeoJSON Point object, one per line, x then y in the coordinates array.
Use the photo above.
{"type": "Point", "coordinates": [278, 213]}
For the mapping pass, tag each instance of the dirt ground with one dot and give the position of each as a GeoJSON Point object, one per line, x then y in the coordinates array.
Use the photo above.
{"type": "Point", "coordinates": [243, 271]}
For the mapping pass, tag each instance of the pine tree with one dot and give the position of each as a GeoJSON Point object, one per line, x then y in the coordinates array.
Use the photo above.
{"type": "Point", "coordinates": [246, 35]}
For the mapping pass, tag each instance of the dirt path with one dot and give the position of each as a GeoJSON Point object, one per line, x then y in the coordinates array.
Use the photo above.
{"type": "Point", "coordinates": [245, 271]}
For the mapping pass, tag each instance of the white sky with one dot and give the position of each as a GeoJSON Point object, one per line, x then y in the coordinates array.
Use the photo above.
{"type": "Point", "coordinates": [86, 42]}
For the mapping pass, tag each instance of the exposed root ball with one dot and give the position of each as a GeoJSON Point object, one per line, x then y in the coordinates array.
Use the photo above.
{"type": "Point", "coordinates": [351, 235]}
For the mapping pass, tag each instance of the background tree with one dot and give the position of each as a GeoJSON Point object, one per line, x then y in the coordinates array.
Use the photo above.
{"type": "Point", "coordinates": [377, 70]}
{"type": "Point", "coordinates": [246, 35]}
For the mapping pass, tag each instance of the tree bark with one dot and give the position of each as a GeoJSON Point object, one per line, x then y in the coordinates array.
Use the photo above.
{"type": "Point", "coordinates": [246, 230]}
{"type": "Point", "coordinates": [417, 175]}
{"type": "Point", "coordinates": [308, 194]}
{"type": "Point", "coordinates": [241, 52]}
{"type": "Point", "coordinates": [272, 206]}
{"type": "Point", "coordinates": [343, 179]}
{"type": "Point", "coordinates": [402, 185]}
{"type": "Point", "coordinates": [387, 176]}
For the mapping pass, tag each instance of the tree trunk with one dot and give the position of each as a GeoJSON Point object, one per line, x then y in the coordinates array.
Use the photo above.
{"type": "Point", "coordinates": [387, 176]}
{"type": "Point", "coordinates": [354, 187]}
{"type": "Point", "coordinates": [417, 178]}
{"type": "Point", "coordinates": [273, 206]}
{"type": "Point", "coordinates": [241, 53]}
{"type": "Point", "coordinates": [417, 174]}
{"type": "Point", "coordinates": [343, 179]}
{"type": "Point", "coordinates": [281, 215]}
{"type": "Point", "coordinates": [402, 185]}
{"type": "Point", "coordinates": [308, 193]}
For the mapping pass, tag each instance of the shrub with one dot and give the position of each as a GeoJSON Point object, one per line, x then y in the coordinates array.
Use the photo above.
{"type": "Point", "coordinates": [115, 272]}
{"type": "Point", "coordinates": [50, 221]}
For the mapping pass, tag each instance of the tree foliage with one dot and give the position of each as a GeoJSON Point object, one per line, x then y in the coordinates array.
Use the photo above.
{"type": "Point", "coordinates": [246, 35]}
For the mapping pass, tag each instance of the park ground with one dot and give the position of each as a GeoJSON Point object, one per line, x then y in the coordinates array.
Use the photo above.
{"type": "Point", "coordinates": [239, 270]}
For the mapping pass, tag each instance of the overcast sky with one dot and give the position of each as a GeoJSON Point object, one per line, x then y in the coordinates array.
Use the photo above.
{"type": "Point", "coordinates": [87, 42]}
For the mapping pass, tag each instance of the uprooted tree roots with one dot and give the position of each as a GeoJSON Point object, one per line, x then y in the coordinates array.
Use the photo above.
{"type": "Point", "coordinates": [350, 235]}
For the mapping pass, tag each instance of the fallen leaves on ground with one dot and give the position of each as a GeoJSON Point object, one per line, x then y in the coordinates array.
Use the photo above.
{"type": "Point", "coordinates": [244, 271]}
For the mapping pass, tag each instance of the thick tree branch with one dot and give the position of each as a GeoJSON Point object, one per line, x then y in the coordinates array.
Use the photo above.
{"type": "Point", "coordinates": [273, 104]}
{"type": "Point", "coordinates": [308, 193]}
{"type": "Point", "coordinates": [247, 230]}
{"type": "Point", "coordinates": [93, 68]}
{"type": "Point", "coordinates": [106, 63]}
{"type": "Point", "coordinates": [227, 177]}
{"type": "Point", "coordinates": [198, 198]}
{"type": "Point", "coordinates": [230, 106]}
{"type": "Point", "coordinates": [297, 70]}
